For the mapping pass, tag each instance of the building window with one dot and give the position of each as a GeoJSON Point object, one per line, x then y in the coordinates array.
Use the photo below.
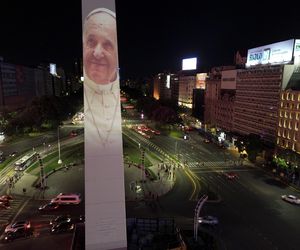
{"type": "Point", "coordinates": [290, 124]}
{"type": "Point", "coordinates": [284, 123]}
{"type": "Point", "coordinates": [293, 97]}
{"type": "Point", "coordinates": [283, 134]}
{"type": "Point", "coordinates": [288, 96]}
{"type": "Point", "coordinates": [297, 116]}
{"type": "Point", "coordinates": [291, 115]}
{"type": "Point", "coordinates": [296, 126]}
{"type": "Point", "coordinates": [295, 136]}
{"type": "Point", "coordinates": [282, 96]}
{"type": "Point", "coordinates": [286, 144]}
{"type": "Point", "coordinates": [286, 114]}
{"type": "Point", "coordinates": [279, 134]}
{"type": "Point", "coordinates": [298, 97]}
{"type": "Point", "coordinates": [293, 147]}
{"type": "Point", "coordinates": [288, 135]}
{"type": "Point", "coordinates": [280, 123]}
{"type": "Point", "coordinates": [278, 141]}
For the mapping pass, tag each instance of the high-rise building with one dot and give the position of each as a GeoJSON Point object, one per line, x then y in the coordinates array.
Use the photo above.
{"type": "Point", "coordinates": [288, 135]}
{"type": "Point", "coordinates": [269, 69]}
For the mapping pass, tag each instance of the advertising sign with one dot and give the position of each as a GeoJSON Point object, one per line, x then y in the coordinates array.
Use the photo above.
{"type": "Point", "coordinates": [189, 63]}
{"type": "Point", "coordinates": [228, 80]}
{"type": "Point", "coordinates": [276, 53]}
{"type": "Point", "coordinates": [201, 80]}
{"type": "Point", "coordinates": [53, 69]}
{"type": "Point", "coordinates": [105, 217]}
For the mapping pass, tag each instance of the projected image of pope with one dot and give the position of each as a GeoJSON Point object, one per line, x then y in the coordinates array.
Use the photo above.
{"type": "Point", "coordinates": [101, 82]}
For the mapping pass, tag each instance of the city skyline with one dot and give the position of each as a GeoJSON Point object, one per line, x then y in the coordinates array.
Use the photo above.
{"type": "Point", "coordinates": [152, 36]}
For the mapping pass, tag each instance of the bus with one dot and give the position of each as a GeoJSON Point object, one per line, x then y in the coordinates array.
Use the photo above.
{"type": "Point", "coordinates": [25, 161]}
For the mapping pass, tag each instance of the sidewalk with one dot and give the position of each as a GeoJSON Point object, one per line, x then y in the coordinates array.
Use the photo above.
{"type": "Point", "coordinates": [136, 189]}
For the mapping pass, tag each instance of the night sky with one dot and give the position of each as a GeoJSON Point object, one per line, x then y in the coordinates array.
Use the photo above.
{"type": "Point", "coordinates": [153, 35]}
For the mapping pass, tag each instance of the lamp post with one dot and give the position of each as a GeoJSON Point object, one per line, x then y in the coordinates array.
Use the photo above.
{"type": "Point", "coordinates": [58, 146]}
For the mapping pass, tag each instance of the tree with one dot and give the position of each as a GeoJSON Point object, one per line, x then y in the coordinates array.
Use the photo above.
{"type": "Point", "coordinates": [239, 143]}
{"type": "Point", "coordinates": [253, 146]}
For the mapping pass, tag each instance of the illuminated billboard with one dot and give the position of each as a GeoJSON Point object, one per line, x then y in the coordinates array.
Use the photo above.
{"type": "Point", "coordinates": [275, 53]}
{"type": "Point", "coordinates": [201, 80]}
{"type": "Point", "coordinates": [189, 63]}
{"type": "Point", "coordinates": [52, 69]}
{"type": "Point", "coordinates": [105, 216]}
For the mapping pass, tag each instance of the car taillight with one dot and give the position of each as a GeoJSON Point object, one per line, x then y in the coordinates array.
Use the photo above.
{"type": "Point", "coordinates": [28, 226]}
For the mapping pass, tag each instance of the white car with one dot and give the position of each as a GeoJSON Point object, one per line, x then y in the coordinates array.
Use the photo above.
{"type": "Point", "coordinates": [208, 220]}
{"type": "Point", "coordinates": [291, 198]}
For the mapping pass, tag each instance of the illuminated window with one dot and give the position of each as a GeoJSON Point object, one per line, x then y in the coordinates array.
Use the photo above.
{"type": "Point", "coordinates": [293, 147]}
{"type": "Point", "coordinates": [283, 134]}
{"type": "Point", "coordinates": [281, 104]}
{"type": "Point", "coordinates": [293, 96]}
{"type": "Point", "coordinates": [280, 113]}
{"type": "Point", "coordinates": [296, 126]}
{"type": "Point", "coordinates": [290, 124]}
{"type": "Point", "coordinates": [278, 141]}
{"type": "Point", "coordinates": [288, 96]}
{"type": "Point", "coordinates": [297, 116]}
{"type": "Point", "coordinates": [298, 97]}
{"type": "Point", "coordinates": [279, 134]}
{"type": "Point", "coordinates": [291, 115]}
{"type": "Point", "coordinates": [284, 123]}
{"type": "Point", "coordinates": [295, 136]}
{"type": "Point", "coordinates": [286, 114]}
{"type": "Point", "coordinates": [280, 123]}
{"type": "Point", "coordinates": [286, 144]}
{"type": "Point", "coordinates": [282, 96]}
{"type": "Point", "coordinates": [288, 135]}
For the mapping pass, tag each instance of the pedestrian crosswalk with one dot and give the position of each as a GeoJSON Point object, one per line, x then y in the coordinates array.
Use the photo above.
{"type": "Point", "coordinates": [214, 164]}
{"type": "Point", "coordinates": [7, 213]}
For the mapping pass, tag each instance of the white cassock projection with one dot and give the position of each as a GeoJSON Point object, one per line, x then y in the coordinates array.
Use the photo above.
{"type": "Point", "coordinates": [105, 226]}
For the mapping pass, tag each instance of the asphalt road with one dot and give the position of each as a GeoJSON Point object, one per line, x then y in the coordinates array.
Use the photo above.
{"type": "Point", "coordinates": [251, 212]}
{"type": "Point", "coordinates": [62, 181]}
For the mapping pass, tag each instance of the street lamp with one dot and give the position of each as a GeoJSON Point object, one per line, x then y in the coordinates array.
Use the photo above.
{"type": "Point", "coordinates": [58, 145]}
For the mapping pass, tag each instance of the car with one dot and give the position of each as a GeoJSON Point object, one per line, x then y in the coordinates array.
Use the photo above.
{"type": "Point", "coordinates": [291, 199]}
{"type": "Point", "coordinates": [18, 233]}
{"type": "Point", "coordinates": [73, 133]}
{"type": "Point", "coordinates": [6, 198]}
{"type": "Point", "coordinates": [231, 175]}
{"type": "Point", "coordinates": [18, 224]}
{"type": "Point", "coordinates": [5, 203]}
{"type": "Point", "coordinates": [67, 199]}
{"type": "Point", "coordinates": [60, 218]}
{"type": "Point", "coordinates": [49, 206]}
{"type": "Point", "coordinates": [63, 226]}
{"type": "Point", "coordinates": [208, 220]}
{"type": "Point", "coordinates": [13, 154]}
